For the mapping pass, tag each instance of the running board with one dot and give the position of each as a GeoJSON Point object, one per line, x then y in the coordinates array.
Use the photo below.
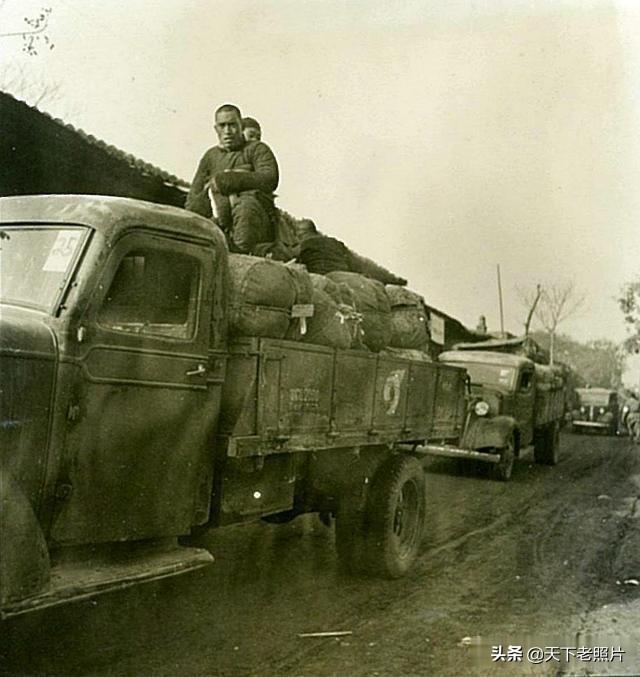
{"type": "Point", "coordinates": [72, 581]}
{"type": "Point", "coordinates": [455, 452]}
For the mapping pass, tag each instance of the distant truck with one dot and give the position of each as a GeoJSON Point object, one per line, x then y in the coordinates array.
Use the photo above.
{"type": "Point", "coordinates": [595, 410]}
{"type": "Point", "coordinates": [512, 403]}
{"type": "Point", "coordinates": [129, 419]}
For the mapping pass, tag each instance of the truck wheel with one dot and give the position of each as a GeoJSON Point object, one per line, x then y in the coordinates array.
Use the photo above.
{"type": "Point", "coordinates": [547, 451]}
{"type": "Point", "coordinates": [504, 468]}
{"type": "Point", "coordinates": [395, 517]}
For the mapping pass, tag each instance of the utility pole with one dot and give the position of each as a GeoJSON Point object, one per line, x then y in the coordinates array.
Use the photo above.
{"type": "Point", "coordinates": [500, 299]}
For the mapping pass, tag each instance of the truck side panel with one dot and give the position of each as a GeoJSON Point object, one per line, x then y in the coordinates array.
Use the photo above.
{"type": "Point", "coordinates": [285, 396]}
{"type": "Point", "coordinates": [549, 404]}
{"type": "Point", "coordinates": [355, 387]}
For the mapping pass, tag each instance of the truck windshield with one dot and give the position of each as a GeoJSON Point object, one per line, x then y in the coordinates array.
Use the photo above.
{"type": "Point", "coordinates": [35, 261]}
{"type": "Point", "coordinates": [593, 399]}
{"type": "Point", "coordinates": [490, 374]}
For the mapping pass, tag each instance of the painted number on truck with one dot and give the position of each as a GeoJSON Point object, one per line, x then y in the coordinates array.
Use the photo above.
{"type": "Point", "coordinates": [304, 399]}
{"type": "Point", "coordinates": [393, 390]}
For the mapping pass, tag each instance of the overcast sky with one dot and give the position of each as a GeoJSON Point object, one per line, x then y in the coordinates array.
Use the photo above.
{"type": "Point", "coordinates": [439, 137]}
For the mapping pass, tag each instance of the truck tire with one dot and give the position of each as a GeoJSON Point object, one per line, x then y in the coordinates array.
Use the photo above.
{"type": "Point", "coordinates": [547, 446]}
{"type": "Point", "coordinates": [504, 468]}
{"type": "Point", "coordinates": [395, 517]}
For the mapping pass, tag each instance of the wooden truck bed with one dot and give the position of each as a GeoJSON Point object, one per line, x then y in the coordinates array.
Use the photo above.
{"type": "Point", "coordinates": [550, 395]}
{"type": "Point", "coordinates": [283, 396]}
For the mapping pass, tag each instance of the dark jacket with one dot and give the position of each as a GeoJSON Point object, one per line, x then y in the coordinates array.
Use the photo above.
{"type": "Point", "coordinates": [260, 174]}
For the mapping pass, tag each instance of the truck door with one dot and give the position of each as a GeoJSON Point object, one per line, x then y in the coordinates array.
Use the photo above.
{"type": "Point", "coordinates": [139, 442]}
{"type": "Point", "coordinates": [524, 403]}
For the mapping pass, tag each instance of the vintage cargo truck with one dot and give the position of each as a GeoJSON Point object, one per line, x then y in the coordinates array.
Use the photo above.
{"type": "Point", "coordinates": [129, 419]}
{"type": "Point", "coordinates": [512, 403]}
{"type": "Point", "coordinates": [595, 409]}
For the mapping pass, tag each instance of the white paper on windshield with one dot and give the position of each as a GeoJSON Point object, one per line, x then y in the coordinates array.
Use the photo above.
{"type": "Point", "coordinates": [62, 251]}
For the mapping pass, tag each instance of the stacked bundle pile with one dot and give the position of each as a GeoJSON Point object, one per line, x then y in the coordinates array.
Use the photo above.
{"type": "Point", "coordinates": [343, 310]}
{"type": "Point", "coordinates": [409, 325]}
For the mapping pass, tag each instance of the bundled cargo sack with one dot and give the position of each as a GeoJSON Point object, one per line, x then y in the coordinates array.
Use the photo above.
{"type": "Point", "coordinates": [326, 285]}
{"type": "Point", "coordinates": [345, 313]}
{"type": "Point", "coordinates": [262, 321]}
{"type": "Point", "coordinates": [302, 283]}
{"type": "Point", "coordinates": [262, 293]}
{"type": "Point", "coordinates": [371, 301]}
{"type": "Point", "coordinates": [260, 282]}
{"type": "Point", "coordinates": [338, 291]}
{"type": "Point", "coordinates": [326, 327]}
{"type": "Point", "coordinates": [409, 324]}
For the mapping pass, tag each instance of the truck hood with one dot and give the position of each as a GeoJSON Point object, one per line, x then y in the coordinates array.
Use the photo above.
{"type": "Point", "coordinates": [27, 372]}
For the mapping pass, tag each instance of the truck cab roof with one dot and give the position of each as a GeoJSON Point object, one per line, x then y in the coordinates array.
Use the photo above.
{"type": "Point", "coordinates": [484, 357]}
{"type": "Point", "coordinates": [107, 214]}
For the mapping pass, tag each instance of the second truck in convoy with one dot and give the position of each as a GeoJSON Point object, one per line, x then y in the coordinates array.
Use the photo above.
{"type": "Point", "coordinates": [513, 403]}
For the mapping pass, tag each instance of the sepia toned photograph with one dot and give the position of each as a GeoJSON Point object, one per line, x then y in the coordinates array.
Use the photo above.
{"type": "Point", "coordinates": [319, 338]}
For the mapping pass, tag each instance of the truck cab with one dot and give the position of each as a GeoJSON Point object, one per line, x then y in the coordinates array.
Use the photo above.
{"type": "Point", "coordinates": [595, 409]}
{"type": "Point", "coordinates": [110, 383]}
{"type": "Point", "coordinates": [512, 403]}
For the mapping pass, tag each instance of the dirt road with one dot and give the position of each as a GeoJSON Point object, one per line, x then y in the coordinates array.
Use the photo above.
{"type": "Point", "coordinates": [546, 560]}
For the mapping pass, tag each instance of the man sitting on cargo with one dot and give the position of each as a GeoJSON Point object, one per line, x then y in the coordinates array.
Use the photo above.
{"type": "Point", "coordinates": [323, 254]}
{"type": "Point", "coordinates": [320, 253]}
{"type": "Point", "coordinates": [234, 182]}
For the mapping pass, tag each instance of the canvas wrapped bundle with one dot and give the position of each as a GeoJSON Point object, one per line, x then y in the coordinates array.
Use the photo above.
{"type": "Point", "coordinates": [262, 293]}
{"type": "Point", "coordinates": [335, 322]}
{"type": "Point", "coordinates": [371, 302]}
{"type": "Point", "coordinates": [339, 291]}
{"type": "Point", "coordinates": [325, 327]}
{"type": "Point", "coordinates": [409, 324]}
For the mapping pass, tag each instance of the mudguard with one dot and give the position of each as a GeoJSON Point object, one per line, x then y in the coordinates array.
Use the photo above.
{"type": "Point", "coordinates": [24, 556]}
{"type": "Point", "coordinates": [494, 432]}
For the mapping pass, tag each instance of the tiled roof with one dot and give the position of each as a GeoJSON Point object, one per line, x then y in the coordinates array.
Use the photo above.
{"type": "Point", "coordinates": [134, 162]}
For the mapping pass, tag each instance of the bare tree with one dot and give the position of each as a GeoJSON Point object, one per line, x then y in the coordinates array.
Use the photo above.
{"type": "Point", "coordinates": [529, 300]}
{"type": "Point", "coordinates": [34, 35]}
{"type": "Point", "coordinates": [550, 304]}
{"type": "Point", "coordinates": [557, 302]}
{"type": "Point", "coordinates": [34, 91]}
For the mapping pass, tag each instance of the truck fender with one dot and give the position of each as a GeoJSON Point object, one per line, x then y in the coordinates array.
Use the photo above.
{"type": "Point", "coordinates": [24, 557]}
{"type": "Point", "coordinates": [489, 432]}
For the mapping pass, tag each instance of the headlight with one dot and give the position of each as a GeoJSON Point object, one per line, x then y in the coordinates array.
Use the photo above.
{"type": "Point", "coordinates": [481, 408]}
{"type": "Point", "coordinates": [602, 410]}
{"type": "Point", "coordinates": [582, 410]}
{"type": "Point", "coordinates": [625, 409]}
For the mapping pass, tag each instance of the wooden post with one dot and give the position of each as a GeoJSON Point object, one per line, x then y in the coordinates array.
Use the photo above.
{"type": "Point", "coordinates": [500, 299]}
